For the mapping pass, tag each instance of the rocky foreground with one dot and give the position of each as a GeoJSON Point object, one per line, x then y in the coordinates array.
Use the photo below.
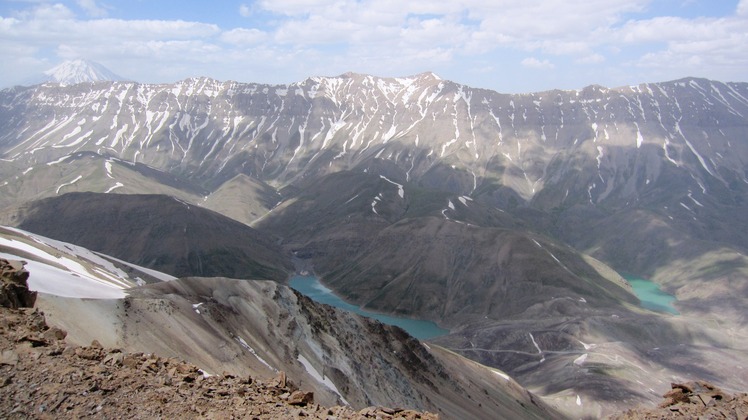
{"type": "Point", "coordinates": [694, 400]}
{"type": "Point", "coordinates": [42, 376]}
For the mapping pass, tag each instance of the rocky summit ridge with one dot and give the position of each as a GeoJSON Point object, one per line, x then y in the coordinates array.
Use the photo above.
{"type": "Point", "coordinates": [42, 376]}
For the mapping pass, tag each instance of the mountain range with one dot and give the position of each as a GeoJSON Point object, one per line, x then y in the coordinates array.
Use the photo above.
{"type": "Point", "coordinates": [504, 218]}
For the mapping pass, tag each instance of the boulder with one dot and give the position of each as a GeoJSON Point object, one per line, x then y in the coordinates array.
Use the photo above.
{"type": "Point", "coordinates": [14, 288]}
{"type": "Point", "coordinates": [301, 398]}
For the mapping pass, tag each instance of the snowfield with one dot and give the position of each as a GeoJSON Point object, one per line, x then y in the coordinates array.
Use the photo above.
{"type": "Point", "coordinates": [67, 270]}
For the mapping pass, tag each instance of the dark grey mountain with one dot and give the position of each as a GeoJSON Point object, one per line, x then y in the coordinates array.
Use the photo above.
{"type": "Point", "coordinates": [158, 232]}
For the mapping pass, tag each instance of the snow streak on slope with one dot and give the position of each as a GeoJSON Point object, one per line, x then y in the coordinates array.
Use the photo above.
{"type": "Point", "coordinates": [400, 190]}
{"type": "Point", "coordinates": [206, 129]}
{"type": "Point", "coordinates": [320, 377]}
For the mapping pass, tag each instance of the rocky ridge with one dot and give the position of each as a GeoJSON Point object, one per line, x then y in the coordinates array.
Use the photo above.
{"type": "Point", "coordinates": [42, 376]}
{"type": "Point", "coordinates": [695, 399]}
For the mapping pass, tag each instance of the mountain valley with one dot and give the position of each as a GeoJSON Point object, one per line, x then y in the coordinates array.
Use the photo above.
{"type": "Point", "coordinates": [503, 218]}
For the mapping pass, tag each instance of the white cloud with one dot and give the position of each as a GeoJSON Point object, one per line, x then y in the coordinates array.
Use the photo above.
{"type": "Point", "coordinates": [546, 20]}
{"type": "Point", "coordinates": [391, 37]}
{"type": "Point", "coordinates": [297, 7]}
{"type": "Point", "coordinates": [45, 12]}
{"type": "Point", "coordinates": [591, 59]}
{"type": "Point", "coordinates": [241, 36]}
{"type": "Point", "coordinates": [678, 47]}
{"type": "Point", "coordinates": [534, 63]}
{"type": "Point", "coordinates": [91, 8]}
{"type": "Point", "coordinates": [742, 9]}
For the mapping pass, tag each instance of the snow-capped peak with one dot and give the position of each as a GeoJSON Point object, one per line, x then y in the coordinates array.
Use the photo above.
{"type": "Point", "coordinates": [80, 71]}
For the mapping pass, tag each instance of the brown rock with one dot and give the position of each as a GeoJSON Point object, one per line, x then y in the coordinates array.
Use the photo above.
{"type": "Point", "coordinates": [14, 289]}
{"type": "Point", "coordinates": [301, 398]}
{"type": "Point", "coordinates": [89, 353]}
{"type": "Point", "coordinates": [131, 361]}
{"type": "Point", "coordinates": [694, 400]}
{"type": "Point", "coordinates": [368, 412]}
{"type": "Point", "coordinates": [55, 334]}
{"type": "Point", "coordinates": [280, 380]}
{"type": "Point", "coordinates": [114, 358]}
{"type": "Point", "coordinates": [8, 357]}
{"type": "Point", "coordinates": [391, 411]}
{"type": "Point", "coordinates": [76, 382]}
{"type": "Point", "coordinates": [186, 368]}
{"type": "Point", "coordinates": [35, 339]}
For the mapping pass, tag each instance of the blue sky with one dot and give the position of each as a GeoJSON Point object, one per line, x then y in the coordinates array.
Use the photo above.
{"type": "Point", "coordinates": [505, 45]}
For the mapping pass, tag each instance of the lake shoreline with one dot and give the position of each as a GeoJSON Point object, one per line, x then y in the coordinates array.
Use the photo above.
{"type": "Point", "coordinates": [312, 287]}
{"type": "Point", "coordinates": [650, 295]}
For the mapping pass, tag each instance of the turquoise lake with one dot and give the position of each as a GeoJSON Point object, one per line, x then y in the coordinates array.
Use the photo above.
{"type": "Point", "coordinates": [311, 287]}
{"type": "Point", "coordinates": [650, 295]}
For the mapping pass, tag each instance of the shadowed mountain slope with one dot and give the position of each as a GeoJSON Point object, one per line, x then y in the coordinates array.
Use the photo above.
{"type": "Point", "coordinates": [158, 232]}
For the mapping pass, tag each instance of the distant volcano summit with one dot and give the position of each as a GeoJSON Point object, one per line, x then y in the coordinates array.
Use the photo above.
{"type": "Point", "coordinates": [80, 71]}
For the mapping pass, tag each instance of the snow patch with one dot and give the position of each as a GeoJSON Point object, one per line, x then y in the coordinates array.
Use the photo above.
{"type": "Point", "coordinates": [400, 190]}
{"type": "Point", "coordinates": [502, 374]}
{"type": "Point", "coordinates": [540, 352]}
{"type": "Point", "coordinates": [374, 205]}
{"type": "Point", "coordinates": [115, 186]}
{"type": "Point", "coordinates": [579, 361]}
{"type": "Point", "coordinates": [314, 373]}
{"type": "Point", "coordinates": [587, 346]}
{"type": "Point", "coordinates": [639, 138]}
{"type": "Point", "coordinates": [78, 178]}
{"type": "Point", "coordinates": [690, 195]}
{"type": "Point", "coordinates": [249, 348]}
{"type": "Point", "coordinates": [62, 276]}
{"type": "Point", "coordinates": [351, 199]}
{"type": "Point", "coordinates": [55, 162]}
